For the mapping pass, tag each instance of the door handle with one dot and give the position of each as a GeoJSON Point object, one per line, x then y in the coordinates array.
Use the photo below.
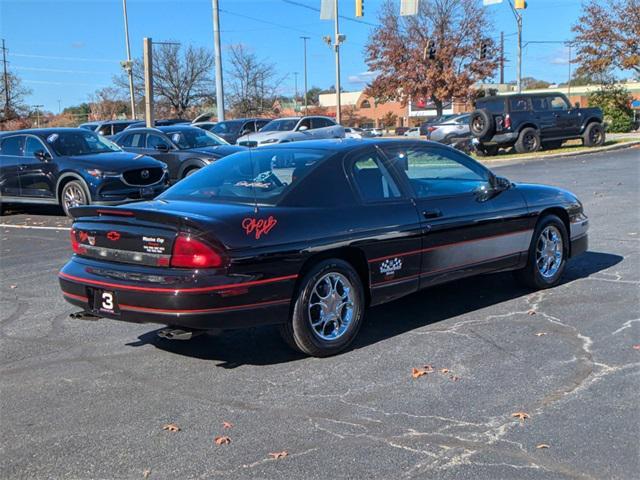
{"type": "Point", "coordinates": [432, 213]}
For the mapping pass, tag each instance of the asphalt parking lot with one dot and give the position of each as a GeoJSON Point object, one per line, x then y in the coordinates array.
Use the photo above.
{"type": "Point", "coordinates": [89, 399]}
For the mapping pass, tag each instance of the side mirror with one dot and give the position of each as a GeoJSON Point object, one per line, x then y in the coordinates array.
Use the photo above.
{"type": "Point", "coordinates": [42, 155]}
{"type": "Point", "coordinates": [577, 104]}
{"type": "Point", "coordinates": [303, 128]}
{"type": "Point", "coordinates": [162, 147]}
{"type": "Point", "coordinates": [501, 183]}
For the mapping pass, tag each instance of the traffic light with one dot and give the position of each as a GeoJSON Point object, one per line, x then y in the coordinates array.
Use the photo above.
{"type": "Point", "coordinates": [484, 48]}
{"type": "Point", "coordinates": [430, 51]}
{"type": "Point", "coordinates": [359, 8]}
{"type": "Point", "coordinates": [520, 4]}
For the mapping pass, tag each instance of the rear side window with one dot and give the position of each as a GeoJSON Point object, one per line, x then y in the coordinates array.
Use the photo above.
{"type": "Point", "coordinates": [118, 127]}
{"type": "Point", "coordinates": [518, 105]}
{"type": "Point", "coordinates": [373, 180]}
{"type": "Point", "coordinates": [263, 175]}
{"type": "Point", "coordinates": [539, 104]}
{"type": "Point", "coordinates": [494, 105]}
{"type": "Point", "coordinates": [12, 146]}
{"type": "Point", "coordinates": [321, 123]}
{"type": "Point", "coordinates": [104, 130]}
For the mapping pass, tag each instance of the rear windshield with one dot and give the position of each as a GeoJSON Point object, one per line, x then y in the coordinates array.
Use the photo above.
{"type": "Point", "coordinates": [263, 175]}
{"type": "Point", "coordinates": [494, 105]}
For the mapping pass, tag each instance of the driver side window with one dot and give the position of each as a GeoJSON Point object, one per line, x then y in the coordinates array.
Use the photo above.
{"type": "Point", "coordinates": [435, 172]}
{"type": "Point", "coordinates": [154, 140]}
{"type": "Point", "coordinates": [305, 123]}
{"type": "Point", "coordinates": [32, 145]}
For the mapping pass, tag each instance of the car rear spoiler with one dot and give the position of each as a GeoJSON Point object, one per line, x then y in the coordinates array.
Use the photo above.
{"type": "Point", "coordinates": [94, 212]}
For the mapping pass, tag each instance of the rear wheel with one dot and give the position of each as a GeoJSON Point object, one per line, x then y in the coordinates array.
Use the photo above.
{"type": "Point", "coordinates": [328, 310]}
{"type": "Point", "coordinates": [547, 255]}
{"type": "Point", "coordinates": [528, 141]}
{"type": "Point", "coordinates": [73, 195]}
{"type": "Point", "coordinates": [487, 151]}
{"type": "Point", "coordinates": [191, 171]}
{"type": "Point", "coordinates": [594, 135]}
{"type": "Point", "coordinates": [482, 124]}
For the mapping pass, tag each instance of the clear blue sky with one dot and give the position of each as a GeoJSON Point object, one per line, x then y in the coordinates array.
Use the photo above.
{"type": "Point", "coordinates": [66, 49]}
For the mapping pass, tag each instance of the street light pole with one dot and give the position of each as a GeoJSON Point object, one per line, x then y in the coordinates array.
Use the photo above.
{"type": "Point", "coordinates": [306, 107]}
{"type": "Point", "coordinates": [38, 107]}
{"type": "Point", "coordinates": [336, 47]}
{"type": "Point", "coordinates": [147, 55]}
{"type": "Point", "coordinates": [519, 22]}
{"type": "Point", "coordinates": [218, 59]}
{"type": "Point", "coordinates": [129, 64]}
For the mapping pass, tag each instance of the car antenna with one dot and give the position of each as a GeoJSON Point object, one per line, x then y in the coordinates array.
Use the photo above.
{"type": "Point", "coordinates": [253, 184]}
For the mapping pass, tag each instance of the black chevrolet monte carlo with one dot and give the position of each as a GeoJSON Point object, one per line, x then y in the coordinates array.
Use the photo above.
{"type": "Point", "coordinates": [308, 235]}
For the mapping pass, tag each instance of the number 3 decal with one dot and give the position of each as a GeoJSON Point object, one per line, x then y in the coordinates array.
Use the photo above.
{"type": "Point", "coordinates": [107, 301]}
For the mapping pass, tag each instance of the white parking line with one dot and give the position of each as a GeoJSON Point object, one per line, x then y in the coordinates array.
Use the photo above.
{"type": "Point", "coordinates": [33, 227]}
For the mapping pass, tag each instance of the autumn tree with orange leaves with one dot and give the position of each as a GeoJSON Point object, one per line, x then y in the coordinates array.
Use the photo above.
{"type": "Point", "coordinates": [398, 52]}
{"type": "Point", "coordinates": [608, 37]}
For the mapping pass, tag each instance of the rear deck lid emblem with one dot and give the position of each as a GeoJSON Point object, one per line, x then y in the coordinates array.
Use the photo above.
{"type": "Point", "coordinates": [113, 236]}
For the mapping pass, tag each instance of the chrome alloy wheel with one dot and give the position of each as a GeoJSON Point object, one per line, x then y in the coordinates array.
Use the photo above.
{"type": "Point", "coordinates": [73, 197]}
{"type": "Point", "coordinates": [331, 306]}
{"type": "Point", "coordinates": [549, 251]}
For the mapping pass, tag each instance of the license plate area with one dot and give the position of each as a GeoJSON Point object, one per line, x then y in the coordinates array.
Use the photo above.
{"type": "Point", "coordinates": [104, 302]}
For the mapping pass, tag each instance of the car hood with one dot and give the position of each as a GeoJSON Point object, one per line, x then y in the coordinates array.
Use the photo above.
{"type": "Point", "coordinates": [261, 137]}
{"type": "Point", "coordinates": [218, 151]}
{"type": "Point", "coordinates": [116, 161]}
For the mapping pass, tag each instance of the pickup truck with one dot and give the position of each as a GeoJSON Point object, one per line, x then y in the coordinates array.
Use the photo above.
{"type": "Point", "coordinates": [529, 122]}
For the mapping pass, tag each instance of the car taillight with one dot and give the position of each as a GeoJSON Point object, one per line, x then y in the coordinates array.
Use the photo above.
{"type": "Point", "coordinates": [507, 121]}
{"type": "Point", "coordinates": [75, 245]}
{"type": "Point", "coordinates": [189, 252]}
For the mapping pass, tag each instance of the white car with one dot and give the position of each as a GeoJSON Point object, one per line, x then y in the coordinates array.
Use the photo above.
{"type": "Point", "coordinates": [352, 132]}
{"type": "Point", "coordinates": [293, 129]}
{"type": "Point", "coordinates": [374, 132]}
{"type": "Point", "coordinates": [412, 132]}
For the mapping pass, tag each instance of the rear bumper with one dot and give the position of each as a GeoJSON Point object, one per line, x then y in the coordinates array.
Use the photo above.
{"type": "Point", "coordinates": [177, 298]}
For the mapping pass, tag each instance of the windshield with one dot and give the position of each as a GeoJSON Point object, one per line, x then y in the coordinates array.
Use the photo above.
{"type": "Point", "coordinates": [282, 125]}
{"type": "Point", "coordinates": [264, 176]}
{"type": "Point", "coordinates": [74, 143]}
{"type": "Point", "coordinates": [226, 127]}
{"type": "Point", "coordinates": [194, 138]}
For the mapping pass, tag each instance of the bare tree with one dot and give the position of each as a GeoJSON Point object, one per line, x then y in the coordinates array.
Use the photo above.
{"type": "Point", "coordinates": [181, 77]}
{"type": "Point", "coordinates": [434, 55]}
{"type": "Point", "coordinates": [253, 83]}
{"type": "Point", "coordinates": [608, 36]}
{"type": "Point", "coordinates": [107, 104]}
{"type": "Point", "coordinates": [17, 94]}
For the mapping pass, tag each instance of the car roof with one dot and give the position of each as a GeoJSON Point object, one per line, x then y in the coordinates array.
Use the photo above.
{"type": "Point", "coordinates": [43, 132]}
{"type": "Point", "coordinates": [346, 144]}
{"type": "Point", "coordinates": [176, 127]}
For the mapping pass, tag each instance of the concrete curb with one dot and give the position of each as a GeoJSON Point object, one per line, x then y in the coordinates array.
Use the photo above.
{"type": "Point", "coordinates": [608, 148]}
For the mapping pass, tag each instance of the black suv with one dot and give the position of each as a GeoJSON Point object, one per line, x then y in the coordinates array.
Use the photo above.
{"type": "Point", "coordinates": [529, 122]}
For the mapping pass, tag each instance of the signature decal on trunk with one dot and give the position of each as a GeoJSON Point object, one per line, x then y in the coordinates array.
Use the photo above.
{"type": "Point", "coordinates": [390, 266]}
{"type": "Point", "coordinates": [258, 227]}
{"type": "Point", "coordinates": [113, 236]}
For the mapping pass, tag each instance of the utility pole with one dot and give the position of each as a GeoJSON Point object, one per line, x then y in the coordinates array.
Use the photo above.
{"type": "Point", "coordinates": [306, 106]}
{"type": "Point", "coordinates": [337, 39]}
{"type": "Point", "coordinates": [501, 58]}
{"type": "Point", "coordinates": [218, 59]}
{"type": "Point", "coordinates": [147, 55]}
{"type": "Point", "coordinates": [128, 65]}
{"type": "Point", "coordinates": [295, 94]}
{"type": "Point", "coordinates": [7, 107]}
{"type": "Point", "coordinates": [38, 107]}
{"type": "Point", "coordinates": [519, 19]}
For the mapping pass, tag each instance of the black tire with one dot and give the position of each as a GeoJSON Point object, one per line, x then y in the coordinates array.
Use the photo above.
{"type": "Point", "coordinates": [528, 141]}
{"type": "Point", "coordinates": [594, 135]}
{"type": "Point", "coordinates": [73, 194]}
{"type": "Point", "coordinates": [552, 145]}
{"type": "Point", "coordinates": [299, 333]}
{"type": "Point", "coordinates": [482, 124]}
{"type": "Point", "coordinates": [191, 171]}
{"type": "Point", "coordinates": [487, 150]}
{"type": "Point", "coordinates": [531, 276]}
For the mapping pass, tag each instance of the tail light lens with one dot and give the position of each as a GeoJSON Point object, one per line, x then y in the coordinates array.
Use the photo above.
{"type": "Point", "coordinates": [75, 245]}
{"type": "Point", "coordinates": [507, 121]}
{"type": "Point", "coordinates": [189, 252]}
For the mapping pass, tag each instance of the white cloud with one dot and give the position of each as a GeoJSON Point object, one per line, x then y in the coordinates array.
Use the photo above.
{"type": "Point", "coordinates": [364, 77]}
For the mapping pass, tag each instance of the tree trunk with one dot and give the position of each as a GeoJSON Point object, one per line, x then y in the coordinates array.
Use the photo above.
{"type": "Point", "coordinates": [438, 103]}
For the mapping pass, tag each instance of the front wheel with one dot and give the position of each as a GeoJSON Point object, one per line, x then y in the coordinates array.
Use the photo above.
{"type": "Point", "coordinates": [328, 310]}
{"type": "Point", "coordinates": [594, 135]}
{"type": "Point", "coordinates": [73, 195]}
{"type": "Point", "coordinates": [547, 255]}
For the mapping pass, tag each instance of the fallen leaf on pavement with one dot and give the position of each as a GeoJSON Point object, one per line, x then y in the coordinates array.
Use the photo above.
{"type": "Point", "coordinates": [636, 347]}
{"type": "Point", "coordinates": [222, 440]}
{"type": "Point", "coordinates": [13, 286]}
{"type": "Point", "coordinates": [444, 370]}
{"type": "Point", "coordinates": [277, 455]}
{"type": "Point", "coordinates": [454, 378]}
{"type": "Point", "coordinates": [531, 312]}
{"type": "Point", "coordinates": [428, 368]}
{"type": "Point", "coordinates": [540, 334]}
{"type": "Point", "coordinates": [542, 445]}
{"type": "Point", "coordinates": [227, 425]}
{"type": "Point", "coordinates": [172, 427]}
{"type": "Point", "coordinates": [520, 415]}
{"type": "Point", "coordinates": [418, 372]}
{"type": "Point", "coordinates": [146, 473]}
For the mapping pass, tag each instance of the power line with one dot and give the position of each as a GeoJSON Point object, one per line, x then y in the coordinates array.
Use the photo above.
{"type": "Point", "coordinates": [72, 59]}
{"type": "Point", "coordinates": [309, 7]}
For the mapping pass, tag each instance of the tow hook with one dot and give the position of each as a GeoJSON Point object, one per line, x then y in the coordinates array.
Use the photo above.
{"type": "Point", "coordinates": [179, 334]}
{"type": "Point", "coordinates": [84, 316]}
